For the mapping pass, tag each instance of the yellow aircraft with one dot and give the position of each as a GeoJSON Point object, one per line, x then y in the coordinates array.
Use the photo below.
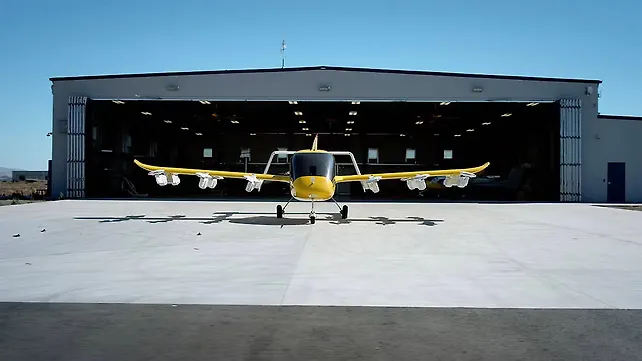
{"type": "Point", "coordinates": [312, 177]}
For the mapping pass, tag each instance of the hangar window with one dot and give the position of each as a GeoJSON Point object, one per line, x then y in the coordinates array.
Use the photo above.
{"type": "Point", "coordinates": [448, 154]}
{"type": "Point", "coordinates": [282, 158]}
{"type": "Point", "coordinates": [373, 155]}
{"type": "Point", "coordinates": [207, 153]}
{"type": "Point", "coordinates": [410, 155]}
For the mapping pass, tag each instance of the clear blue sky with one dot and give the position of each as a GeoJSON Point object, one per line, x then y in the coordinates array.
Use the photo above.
{"type": "Point", "coordinates": [558, 38]}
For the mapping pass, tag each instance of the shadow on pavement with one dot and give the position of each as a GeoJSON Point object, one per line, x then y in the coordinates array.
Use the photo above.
{"type": "Point", "coordinates": [267, 219]}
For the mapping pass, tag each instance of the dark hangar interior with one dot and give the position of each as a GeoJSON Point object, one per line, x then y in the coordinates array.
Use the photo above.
{"type": "Point", "coordinates": [520, 140]}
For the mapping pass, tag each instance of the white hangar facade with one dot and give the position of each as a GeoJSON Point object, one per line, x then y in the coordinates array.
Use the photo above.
{"type": "Point", "coordinates": [544, 137]}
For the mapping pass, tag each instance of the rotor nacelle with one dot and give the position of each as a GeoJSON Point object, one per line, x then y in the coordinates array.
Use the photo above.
{"type": "Point", "coordinates": [161, 178]}
{"type": "Point", "coordinates": [253, 183]}
{"type": "Point", "coordinates": [416, 182]}
{"type": "Point", "coordinates": [460, 180]}
{"type": "Point", "coordinates": [371, 184]}
{"type": "Point", "coordinates": [207, 180]}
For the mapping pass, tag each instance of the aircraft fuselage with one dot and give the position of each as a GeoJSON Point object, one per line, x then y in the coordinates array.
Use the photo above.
{"type": "Point", "coordinates": [312, 176]}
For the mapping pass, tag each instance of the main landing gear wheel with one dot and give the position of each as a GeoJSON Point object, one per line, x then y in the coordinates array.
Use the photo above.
{"type": "Point", "coordinates": [344, 212]}
{"type": "Point", "coordinates": [312, 219]}
{"type": "Point", "coordinates": [279, 211]}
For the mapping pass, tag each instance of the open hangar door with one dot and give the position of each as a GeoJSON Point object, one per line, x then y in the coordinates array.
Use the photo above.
{"type": "Point", "coordinates": [520, 140]}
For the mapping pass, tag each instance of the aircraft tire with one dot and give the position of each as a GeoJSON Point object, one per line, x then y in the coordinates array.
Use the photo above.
{"type": "Point", "coordinates": [312, 220]}
{"type": "Point", "coordinates": [279, 211]}
{"type": "Point", "coordinates": [344, 212]}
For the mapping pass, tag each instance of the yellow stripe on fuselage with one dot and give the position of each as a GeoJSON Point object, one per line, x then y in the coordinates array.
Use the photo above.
{"type": "Point", "coordinates": [312, 189]}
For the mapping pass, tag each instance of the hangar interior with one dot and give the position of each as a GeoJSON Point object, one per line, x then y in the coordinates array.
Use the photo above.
{"type": "Point", "coordinates": [521, 141]}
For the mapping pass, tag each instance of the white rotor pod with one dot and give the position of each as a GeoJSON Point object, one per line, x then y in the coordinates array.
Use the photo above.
{"type": "Point", "coordinates": [416, 182]}
{"type": "Point", "coordinates": [372, 184]}
{"type": "Point", "coordinates": [175, 180]}
{"type": "Point", "coordinates": [463, 179]}
{"type": "Point", "coordinates": [252, 183]}
{"type": "Point", "coordinates": [159, 175]}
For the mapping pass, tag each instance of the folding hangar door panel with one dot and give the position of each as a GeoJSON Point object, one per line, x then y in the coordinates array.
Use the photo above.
{"type": "Point", "coordinates": [76, 147]}
{"type": "Point", "coordinates": [570, 150]}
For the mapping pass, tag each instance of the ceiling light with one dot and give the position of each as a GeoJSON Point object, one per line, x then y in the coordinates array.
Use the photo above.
{"type": "Point", "coordinates": [308, 135]}
{"type": "Point", "coordinates": [214, 115]}
{"type": "Point", "coordinates": [353, 112]}
{"type": "Point", "coordinates": [168, 121]}
{"type": "Point", "coordinates": [184, 128]}
{"type": "Point", "coordinates": [301, 121]}
{"type": "Point", "coordinates": [348, 129]}
{"type": "Point", "coordinates": [199, 133]}
{"type": "Point", "coordinates": [507, 114]}
{"type": "Point", "coordinates": [356, 102]}
{"type": "Point", "coordinates": [146, 113]}
{"type": "Point", "coordinates": [118, 101]}
{"type": "Point", "coordinates": [298, 113]}
{"type": "Point", "coordinates": [305, 129]}
{"type": "Point", "coordinates": [350, 122]}
{"type": "Point", "coordinates": [234, 121]}
{"type": "Point", "coordinates": [204, 102]}
{"type": "Point", "coordinates": [347, 134]}
{"type": "Point", "coordinates": [402, 135]}
{"type": "Point", "coordinates": [531, 104]}
{"type": "Point", "coordinates": [436, 134]}
{"type": "Point", "coordinates": [470, 130]}
{"type": "Point", "coordinates": [252, 133]}
{"type": "Point", "coordinates": [444, 103]}
{"type": "Point", "coordinates": [486, 123]}
{"type": "Point", "coordinates": [294, 102]}
{"type": "Point", "coordinates": [419, 122]}
{"type": "Point", "coordinates": [457, 135]}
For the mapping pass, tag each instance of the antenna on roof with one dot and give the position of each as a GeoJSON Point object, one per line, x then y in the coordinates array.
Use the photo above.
{"type": "Point", "coordinates": [282, 54]}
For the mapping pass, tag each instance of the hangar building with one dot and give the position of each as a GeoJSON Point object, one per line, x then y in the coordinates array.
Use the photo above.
{"type": "Point", "coordinates": [544, 137]}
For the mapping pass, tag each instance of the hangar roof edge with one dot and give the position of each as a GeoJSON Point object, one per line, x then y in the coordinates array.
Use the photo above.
{"type": "Point", "coordinates": [335, 68]}
{"type": "Point", "coordinates": [619, 117]}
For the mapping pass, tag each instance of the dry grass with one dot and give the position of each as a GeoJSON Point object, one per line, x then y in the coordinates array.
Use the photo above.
{"type": "Point", "coordinates": [22, 189]}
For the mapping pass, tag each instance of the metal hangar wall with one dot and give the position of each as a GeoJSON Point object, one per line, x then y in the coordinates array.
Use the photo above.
{"type": "Point", "coordinates": [577, 99]}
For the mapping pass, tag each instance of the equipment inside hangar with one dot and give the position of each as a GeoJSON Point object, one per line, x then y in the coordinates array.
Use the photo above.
{"type": "Point", "coordinates": [520, 140]}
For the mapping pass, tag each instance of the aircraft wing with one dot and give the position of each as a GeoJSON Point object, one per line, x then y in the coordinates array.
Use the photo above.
{"type": "Point", "coordinates": [208, 177]}
{"type": "Point", "coordinates": [415, 179]}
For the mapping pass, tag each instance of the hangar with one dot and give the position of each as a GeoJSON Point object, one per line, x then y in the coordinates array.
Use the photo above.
{"type": "Point", "coordinates": [544, 137]}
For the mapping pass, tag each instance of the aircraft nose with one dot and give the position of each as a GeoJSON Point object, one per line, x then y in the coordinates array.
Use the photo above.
{"type": "Point", "coordinates": [318, 187]}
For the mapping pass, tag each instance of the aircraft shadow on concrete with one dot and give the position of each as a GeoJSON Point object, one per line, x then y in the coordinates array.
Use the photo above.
{"type": "Point", "coordinates": [268, 219]}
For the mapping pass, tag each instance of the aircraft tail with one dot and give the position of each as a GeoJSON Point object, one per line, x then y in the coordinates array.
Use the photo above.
{"type": "Point", "coordinates": [315, 142]}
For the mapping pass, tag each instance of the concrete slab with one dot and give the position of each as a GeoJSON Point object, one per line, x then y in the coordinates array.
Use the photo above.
{"type": "Point", "coordinates": [386, 254]}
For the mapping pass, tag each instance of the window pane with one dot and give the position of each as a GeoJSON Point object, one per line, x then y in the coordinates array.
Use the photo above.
{"type": "Point", "coordinates": [410, 153]}
{"type": "Point", "coordinates": [373, 153]}
{"type": "Point", "coordinates": [448, 154]}
{"type": "Point", "coordinates": [207, 152]}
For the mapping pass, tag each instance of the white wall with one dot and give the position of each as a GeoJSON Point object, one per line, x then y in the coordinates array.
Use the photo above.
{"type": "Point", "coordinates": [611, 140]}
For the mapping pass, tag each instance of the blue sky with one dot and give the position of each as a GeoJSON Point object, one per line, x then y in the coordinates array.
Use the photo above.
{"type": "Point", "coordinates": [565, 38]}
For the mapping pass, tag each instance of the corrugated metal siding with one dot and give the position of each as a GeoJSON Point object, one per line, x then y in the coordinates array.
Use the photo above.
{"type": "Point", "coordinates": [571, 150]}
{"type": "Point", "coordinates": [76, 147]}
